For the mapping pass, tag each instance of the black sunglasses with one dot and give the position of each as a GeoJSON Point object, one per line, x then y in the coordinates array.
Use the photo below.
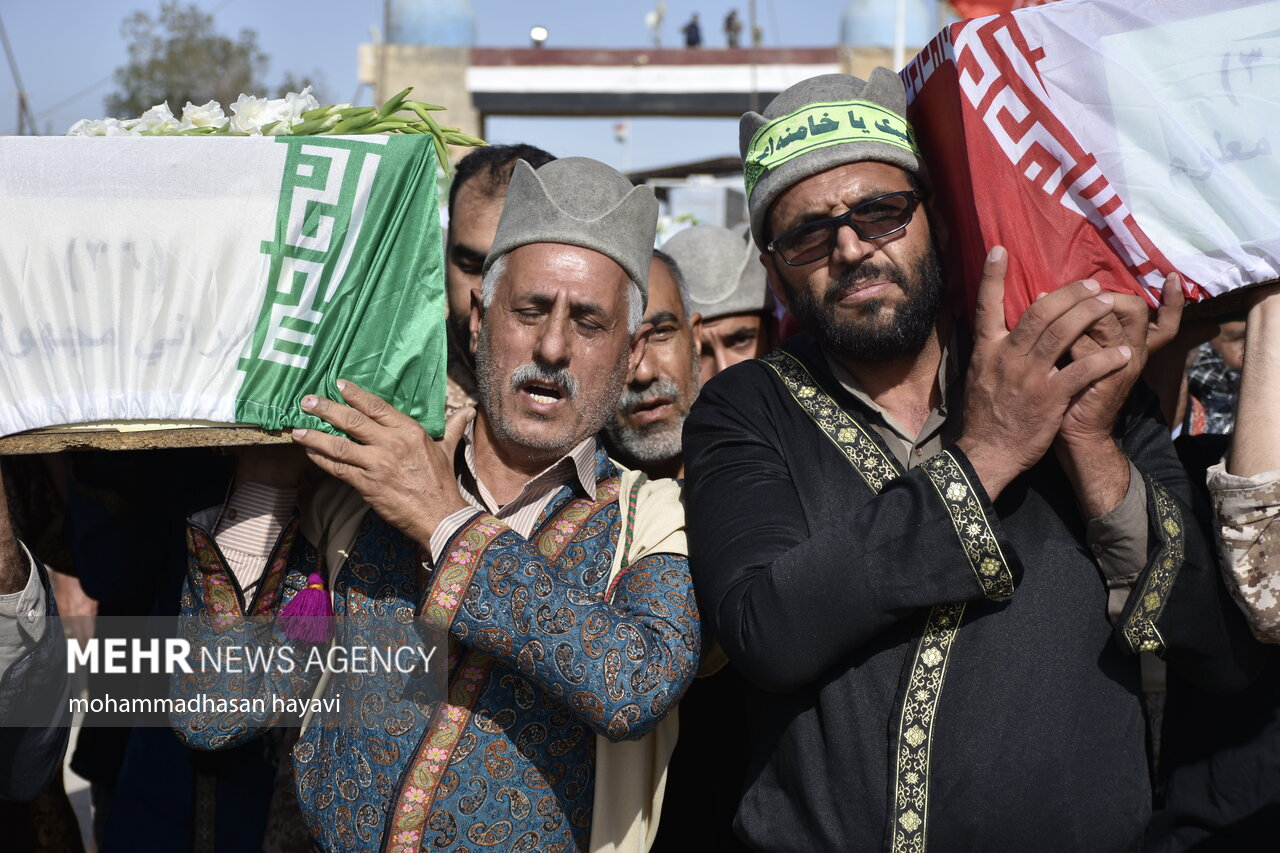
{"type": "Point", "coordinates": [872, 219]}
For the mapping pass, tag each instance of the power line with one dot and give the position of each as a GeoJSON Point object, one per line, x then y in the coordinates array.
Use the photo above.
{"type": "Point", "coordinates": [77, 96]}
{"type": "Point", "coordinates": [105, 80]}
{"type": "Point", "coordinates": [777, 30]}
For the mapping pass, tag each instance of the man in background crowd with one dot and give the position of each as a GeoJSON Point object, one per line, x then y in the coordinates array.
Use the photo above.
{"type": "Point", "coordinates": [476, 196]}
{"type": "Point", "coordinates": [728, 288]}
{"type": "Point", "coordinates": [33, 682]}
{"type": "Point", "coordinates": [692, 32]}
{"type": "Point", "coordinates": [733, 30]}
{"type": "Point", "coordinates": [1213, 380]}
{"type": "Point", "coordinates": [709, 764]}
{"type": "Point", "coordinates": [645, 433]}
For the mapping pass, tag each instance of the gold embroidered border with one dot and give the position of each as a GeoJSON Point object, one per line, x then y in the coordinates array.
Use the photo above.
{"type": "Point", "coordinates": [852, 440]}
{"type": "Point", "coordinates": [915, 728]}
{"type": "Point", "coordinates": [413, 803]}
{"type": "Point", "coordinates": [269, 587]}
{"type": "Point", "coordinates": [218, 591]}
{"type": "Point", "coordinates": [974, 531]}
{"type": "Point", "coordinates": [1140, 630]}
{"type": "Point", "coordinates": [449, 585]}
{"type": "Point", "coordinates": [558, 533]}
{"type": "Point", "coordinates": [417, 795]}
{"type": "Point", "coordinates": [910, 809]}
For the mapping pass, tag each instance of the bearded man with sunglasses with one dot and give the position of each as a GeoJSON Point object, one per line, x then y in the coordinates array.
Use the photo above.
{"type": "Point", "coordinates": [920, 548]}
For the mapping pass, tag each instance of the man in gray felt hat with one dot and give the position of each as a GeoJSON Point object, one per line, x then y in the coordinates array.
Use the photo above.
{"type": "Point", "coordinates": [559, 580]}
{"type": "Point", "coordinates": [918, 547]}
{"type": "Point", "coordinates": [645, 431]}
{"type": "Point", "coordinates": [727, 286]}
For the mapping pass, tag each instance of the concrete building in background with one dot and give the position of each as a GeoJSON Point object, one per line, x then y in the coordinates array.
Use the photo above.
{"type": "Point", "coordinates": [430, 44]}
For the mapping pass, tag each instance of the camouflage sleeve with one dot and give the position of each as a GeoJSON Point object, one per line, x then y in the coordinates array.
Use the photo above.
{"type": "Point", "coordinates": [1247, 510]}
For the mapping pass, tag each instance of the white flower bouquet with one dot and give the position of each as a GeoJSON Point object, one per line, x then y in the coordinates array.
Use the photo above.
{"type": "Point", "coordinates": [149, 283]}
{"type": "Point", "coordinates": [296, 114]}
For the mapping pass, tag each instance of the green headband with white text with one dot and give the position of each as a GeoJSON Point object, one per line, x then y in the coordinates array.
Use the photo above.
{"type": "Point", "coordinates": [822, 125]}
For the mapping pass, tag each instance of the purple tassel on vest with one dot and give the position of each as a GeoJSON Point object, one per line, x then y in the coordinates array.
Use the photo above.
{"type": "Point", "coordinates": [308, 616]}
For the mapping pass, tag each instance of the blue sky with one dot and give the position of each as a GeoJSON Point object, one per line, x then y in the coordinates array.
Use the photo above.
{"type": "Point", "coordinates": [67, 50]}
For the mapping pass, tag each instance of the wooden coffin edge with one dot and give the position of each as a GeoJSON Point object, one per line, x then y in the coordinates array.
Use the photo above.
{"type": "Point", "coordinates": [136, 436]}
{"type": "Point", "coordinates": [1231, 302]}
{"type": "Point", "coordinates": [160, 436]}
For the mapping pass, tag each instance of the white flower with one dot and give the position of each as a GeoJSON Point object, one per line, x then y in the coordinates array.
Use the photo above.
{"type": "Point", "coordinates": [280, 128]}
{"type": "Point", "coordinates": [206, 115]}
{"type": "Point", "coordinates": [297, 103]}
{"type": "Point", "coordinates": [252, 113]}
{"type": "Point", "coordinates": [100, 127]}
{"type": "Point", "coordinates": [158, 119]}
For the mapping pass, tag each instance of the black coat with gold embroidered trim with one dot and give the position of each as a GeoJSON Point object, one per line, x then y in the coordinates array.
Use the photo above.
{"type": "Point", "coordinates": [931, 671]}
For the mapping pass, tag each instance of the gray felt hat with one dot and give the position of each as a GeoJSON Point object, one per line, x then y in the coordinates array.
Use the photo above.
{"type": "Point", "coordinates": [580, 202]}
{"type": "Point", "coordinates": [821, 123]}
{"type": "Point", "coordinates": [722, 268]}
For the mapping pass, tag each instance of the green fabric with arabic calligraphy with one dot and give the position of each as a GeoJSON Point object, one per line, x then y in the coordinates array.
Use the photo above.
{"type": "Point", "coordinates": [822, 125]}
{"type": "Point", "coordinates": [356, 283]}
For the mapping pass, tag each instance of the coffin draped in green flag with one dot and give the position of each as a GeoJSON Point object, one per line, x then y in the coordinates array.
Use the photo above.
{"type": "Point", "coordinates": [217, 280]}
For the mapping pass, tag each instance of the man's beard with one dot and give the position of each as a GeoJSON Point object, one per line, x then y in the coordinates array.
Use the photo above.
{"type": "Point", "coordinates": [913, 320]}
{"type": "Point", "coordinates": [660, 441]}
{"type": "Point", "coordinates": [491, 387]}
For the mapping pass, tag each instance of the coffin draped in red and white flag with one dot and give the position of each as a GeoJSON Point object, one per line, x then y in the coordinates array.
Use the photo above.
{"type": "Point", "coordinates": [1119, 141]}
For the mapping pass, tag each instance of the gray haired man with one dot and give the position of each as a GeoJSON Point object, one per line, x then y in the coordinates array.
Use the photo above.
{"type": "Point", "coordinates": [558, 581]}
{"type": "Point", "coordinates": [645, 433]}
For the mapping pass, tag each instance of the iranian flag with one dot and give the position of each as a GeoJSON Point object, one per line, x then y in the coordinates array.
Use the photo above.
{"type": "Point", "coordinates": [217, 280]}
{"type": "Point", "coordinates": [1119, 140]}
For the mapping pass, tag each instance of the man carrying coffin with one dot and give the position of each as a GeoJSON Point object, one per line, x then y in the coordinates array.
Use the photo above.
{"type": "Point", "coordinates": [937, 580]}
{"type": "Point", "coordinates": [560, 580]}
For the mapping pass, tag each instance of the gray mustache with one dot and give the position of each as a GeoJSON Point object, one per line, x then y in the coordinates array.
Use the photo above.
{"type": "Point", "coordinates": [534, 372]}
{"type": "Point", "coordinates": [664, 387]}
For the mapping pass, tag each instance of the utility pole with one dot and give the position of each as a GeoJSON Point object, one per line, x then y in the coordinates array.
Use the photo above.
{"type": "Point", "coordinates": [900, 35]}
{"type": "Point", "coordinates": [26, 122]}
{"type": "Point", "coordinates": [755, 85]}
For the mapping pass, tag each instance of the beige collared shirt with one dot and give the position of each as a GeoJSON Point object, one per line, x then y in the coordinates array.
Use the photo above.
{"type": "Point", "coordinates": [1118, 539]}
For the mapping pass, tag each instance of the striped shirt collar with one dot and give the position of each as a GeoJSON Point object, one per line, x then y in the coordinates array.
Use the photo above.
{"type": "Point", "coordinates": [522, 513]}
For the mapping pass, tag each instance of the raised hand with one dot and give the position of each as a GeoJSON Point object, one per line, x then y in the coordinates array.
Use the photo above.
{"type": "Point", "coordinates": [1015, 395]}
{"type": "Point", "coordinates": [406, 476]}
{"type": "Point", "coordinates": [1092, 415]}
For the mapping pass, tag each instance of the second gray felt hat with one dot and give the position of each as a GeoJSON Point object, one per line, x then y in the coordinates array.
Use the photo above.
{"type": "Point", "coordinates": [722, 269]}
{"type": "Point", "coordinates": [579, 202]}
{"type": "Point", "coordinates": [821, 123]}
